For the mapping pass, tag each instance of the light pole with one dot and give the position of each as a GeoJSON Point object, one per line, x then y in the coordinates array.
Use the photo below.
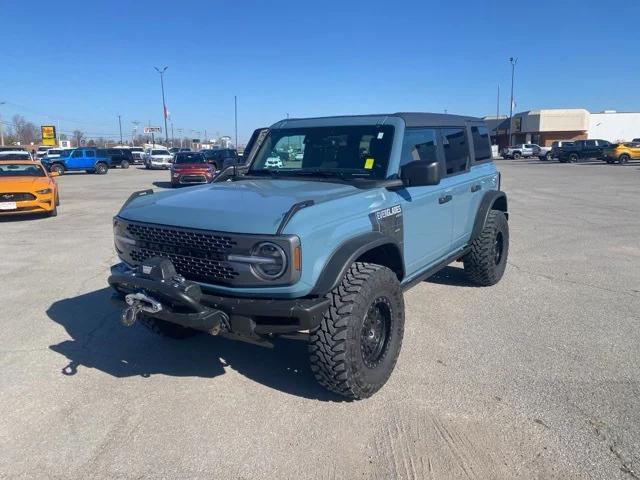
{"type": "Point", "coordinates": [1, 129]}
{"type": "Point", "coordinates": [164, 105]}
{"type": "Point", "coordinates": [235, 116]}
{"type": "Point", "coordinates": [120, 126]}
{"type": "Point", "coordinates": [513, 73]}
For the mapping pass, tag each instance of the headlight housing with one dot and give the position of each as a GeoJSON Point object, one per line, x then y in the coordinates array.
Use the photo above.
{"type": "Point", "coordinates": [270, 261]}
{"type": "Point", "coordinates": [44, 191]}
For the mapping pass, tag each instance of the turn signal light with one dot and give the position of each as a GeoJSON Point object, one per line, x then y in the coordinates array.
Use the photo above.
{"type": "Point", "coordinates": [297, 260]}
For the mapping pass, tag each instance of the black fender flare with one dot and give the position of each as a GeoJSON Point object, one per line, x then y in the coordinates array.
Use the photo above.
{"type": "Point", "coordinates": [489, 200]}
{"type": "Point", "coordinates": [345, 255]}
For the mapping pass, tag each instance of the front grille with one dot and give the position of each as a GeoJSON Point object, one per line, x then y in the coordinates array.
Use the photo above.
{"type": "Point", "coordinates": [16, 197]}
{"type": "Point", "coordinates": [193, 179]}
{"type": "Point", "coordinates": [196, 255]}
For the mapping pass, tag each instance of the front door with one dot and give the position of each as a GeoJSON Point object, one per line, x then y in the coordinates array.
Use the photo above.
{"type": "Point", "coordinates": [427, 211]}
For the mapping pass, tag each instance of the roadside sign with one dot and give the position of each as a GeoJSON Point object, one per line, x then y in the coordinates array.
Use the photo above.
{"type": "Point", "coordinates": [48, 135]}
{"type": "Point", "coordinates": [152, 129]}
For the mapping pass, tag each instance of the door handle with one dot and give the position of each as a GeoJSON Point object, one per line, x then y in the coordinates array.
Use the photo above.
{"type": "Point", "coordinates": [444, 199]}
{"type": "Point", "coordinates": [475, 188]}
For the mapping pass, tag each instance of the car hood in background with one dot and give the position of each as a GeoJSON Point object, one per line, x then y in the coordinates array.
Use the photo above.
{"type": "Point", "coordinates": [248, 206]}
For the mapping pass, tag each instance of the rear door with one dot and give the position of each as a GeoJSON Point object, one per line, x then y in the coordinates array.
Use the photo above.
{"type": "Point", "coordinates": [458, 180]}
{"type": "Point", "coordinates": [89, 159]}
{"type": "Point", "coordinates": [427, 211]}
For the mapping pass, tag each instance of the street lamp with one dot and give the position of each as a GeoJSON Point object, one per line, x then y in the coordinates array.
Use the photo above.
{"type": "Point", "coordinates": [164, 105]}
{"type": "Point", "coordinates": [513, 72]}
{"type": "Point", "coordinates": [1, 129]}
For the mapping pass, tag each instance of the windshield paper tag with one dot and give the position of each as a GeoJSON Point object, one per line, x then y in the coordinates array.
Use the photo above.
{"type": "Point", "coordinates": [368, 163]}
{"type": "Point", "coordinates": [380, 135]}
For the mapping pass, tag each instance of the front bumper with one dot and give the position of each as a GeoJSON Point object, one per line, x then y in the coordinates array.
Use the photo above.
{"type": "Point", "coordinates": [250, 318]}
{"type": "Point", "coordinates": [42, 203]}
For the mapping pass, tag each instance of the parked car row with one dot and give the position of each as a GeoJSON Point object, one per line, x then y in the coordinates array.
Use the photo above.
{"type": "Point", "coordinates": [576, 150]}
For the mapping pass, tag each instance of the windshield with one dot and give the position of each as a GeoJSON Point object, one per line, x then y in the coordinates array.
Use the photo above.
{"type": "Point", "coordinates": [347, 152]}
{"type": "Point", "coordinates": [65, 153]}
{"type": "Point", "coordinates": [21, 170]}
{"type": "Point", "coordinates": [189, 158]}
{"type": "Point", "coordinates": [159, 152]}
{"type": "Point", "coordinates": [15, 156]}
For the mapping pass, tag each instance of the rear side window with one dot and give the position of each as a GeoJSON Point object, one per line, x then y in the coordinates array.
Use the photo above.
{"type": "Point", "coordinates": [420, 144]}
{"type": "Point", "coordinates": [481, 144]}
{"type": "Point", "coordinates": [89, 153]}
{"type": "Point", "coordinates": [456, 149]}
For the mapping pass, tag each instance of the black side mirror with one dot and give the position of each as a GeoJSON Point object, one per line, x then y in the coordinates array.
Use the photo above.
{"type": "Point", "coordinates": [420, 173]}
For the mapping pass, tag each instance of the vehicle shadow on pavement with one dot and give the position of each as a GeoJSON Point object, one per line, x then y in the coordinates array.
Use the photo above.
{"type": "Point", "coordinates": [160, 184]}
{"type": "Point", "coordinates": [451, 276]}
{"type": "Point", "coordinates": [99, 341]}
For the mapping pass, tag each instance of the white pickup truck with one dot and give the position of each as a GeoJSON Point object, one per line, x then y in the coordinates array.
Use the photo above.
{"type": "Point", "coordinates": [527, 150]}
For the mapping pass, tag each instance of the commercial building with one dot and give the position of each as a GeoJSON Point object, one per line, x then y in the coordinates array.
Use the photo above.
{"type": "Point", "coordinates": [544, 126]}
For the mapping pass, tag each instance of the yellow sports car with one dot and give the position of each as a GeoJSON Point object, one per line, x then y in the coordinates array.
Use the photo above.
{"type": "Point", "coordinates": [26, 187]}
{"type": "Point", "coordinates": [621, 152]}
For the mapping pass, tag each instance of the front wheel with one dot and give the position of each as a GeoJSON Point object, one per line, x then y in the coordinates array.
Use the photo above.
{"type": "Point", "coordinates": [57, 168]}
{"type": "Point", "coordinates": [548, 157]}
{"type": "Point", "coordinates": [516, 156]}
{"type": "Point", "coordinates": [487, 260]}
{"type": "Point", "coordinates": [573, 158]}
{"type": "Point", "coordinates": [356, 347]}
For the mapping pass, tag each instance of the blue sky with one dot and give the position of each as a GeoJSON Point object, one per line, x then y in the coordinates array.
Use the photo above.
{"type": "Point", "coordinates": [86, 62]}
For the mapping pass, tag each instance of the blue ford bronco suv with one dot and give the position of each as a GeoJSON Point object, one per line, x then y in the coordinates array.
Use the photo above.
{"type": "Point", "coordinates": [89, 159]}
{"type": "Point", "coordinates": [321, 246]}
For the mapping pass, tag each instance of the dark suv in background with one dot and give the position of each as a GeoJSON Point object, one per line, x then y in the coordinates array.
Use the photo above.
{"type": "Point", "coordinates": [580, 149]}
{"type": "Point", "coordinates": [220, 158]}
{"type": "Point", "coordinates": [119, 157]}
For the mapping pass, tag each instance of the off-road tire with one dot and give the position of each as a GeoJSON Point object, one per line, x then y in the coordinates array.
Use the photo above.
{"type": "Point", "coordinates": [124, 164]}
{"type": "Point", "coordinates": [56, 167]}
{"type": "Point", "coordinates": [101, 168]}
{"type": "Point", "coordinates": [337, 347]}
{"type": "Point", "coordinates": [487, 260]}
{"type": "Point", "coordinates": [166, 329]}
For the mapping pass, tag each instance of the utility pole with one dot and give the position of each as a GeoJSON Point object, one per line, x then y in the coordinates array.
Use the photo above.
{"type": "Point", "coordinates": [513, 73]}
{"type": "Point", "coordinates": [497, 114]}
{"type": "Point", "coordinates": [173, 139]}
{"type": "Point", "coordinates": [235, 106]}
{"type": "Point", "coordinates": [1, 129]}
{"type": "Point", "coordinates": [164, 105]}
{"type": "Point", "coordinates": [120, 125]}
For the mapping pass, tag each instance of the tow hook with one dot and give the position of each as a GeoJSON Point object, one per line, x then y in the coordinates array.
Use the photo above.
{"type": "Point", "coordinates": [138, 302]}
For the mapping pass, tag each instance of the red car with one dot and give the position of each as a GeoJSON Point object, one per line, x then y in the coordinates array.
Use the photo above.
{"type": "Point", "coordinates": [190, 168]}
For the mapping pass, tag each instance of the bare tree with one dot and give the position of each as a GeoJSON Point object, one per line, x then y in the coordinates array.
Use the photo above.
{"type": "Point", "coordinates": [26, 132]}
{"type": "Point", "coordinates": [78, 135]}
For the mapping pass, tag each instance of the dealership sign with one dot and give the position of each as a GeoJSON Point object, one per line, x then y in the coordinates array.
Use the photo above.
{"type": "Point", "coordinates": [48, 134]}
{"type": "Point", "coordinates": [152, 130]}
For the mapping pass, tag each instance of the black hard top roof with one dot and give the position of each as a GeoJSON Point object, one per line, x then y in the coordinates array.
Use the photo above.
{"type": "Point", "coordinates": [411, 119]}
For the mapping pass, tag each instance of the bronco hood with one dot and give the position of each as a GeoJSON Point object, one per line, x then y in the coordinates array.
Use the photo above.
{"type": "Point", "coordinates": [247, 206]}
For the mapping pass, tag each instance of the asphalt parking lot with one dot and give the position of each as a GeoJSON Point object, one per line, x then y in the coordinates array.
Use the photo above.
{"type": "Point", "coordinates": [537, 377]}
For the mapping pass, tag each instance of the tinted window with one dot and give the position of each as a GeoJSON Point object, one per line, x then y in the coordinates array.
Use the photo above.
{"type": "Point", "coordinates": [76, 154]}
{"type": "Point", "coordinates": [419, 144]}
{"type": "Point", "coordinates": [590, 143]}
{"type": "Point", "coordinates": [189, 157]}
{"type": "Point", "coordinates": [89, 153]}
{"type": "Point", "coordinates": [456, 150]}
{"type": "Point", "coordinates": [481, 144]}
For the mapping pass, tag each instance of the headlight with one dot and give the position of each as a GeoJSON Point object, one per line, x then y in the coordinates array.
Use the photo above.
{"type": "Point", "coordinates": [267, 260]}
{"type": "Point", "coordinates": [121, 236]}
{"type": "Point", "coordinates": [44, 191]}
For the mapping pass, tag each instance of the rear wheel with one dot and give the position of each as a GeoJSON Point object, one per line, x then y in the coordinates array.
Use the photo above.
{"type": "Point", "coordinates": [624, 158]}
{"type": "Point", "coordinates": [487, 260]}
{"type": "Point", "coordinates": [517, 155]}
{"type": "Point", "coordinates": [548, 157]}
{"type": "Point", "coordinates": [101, 168]}
{"type": "Point", "coordinates": [356, 347]}
{"type": "Point", "coordinates": [57, 168]}
{"type": "Point", "coordinates": [124, 164]}
{"type": "Point", "coordinates": [573, 158]}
